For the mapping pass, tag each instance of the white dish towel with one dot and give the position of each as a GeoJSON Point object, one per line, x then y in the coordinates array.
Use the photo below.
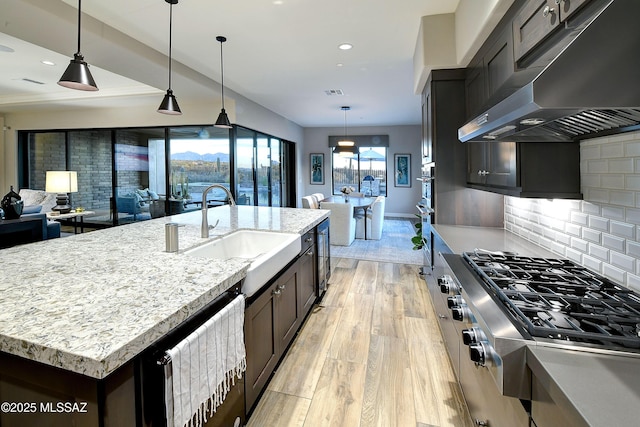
{"type": "Point", "coordinates": [203, 367]}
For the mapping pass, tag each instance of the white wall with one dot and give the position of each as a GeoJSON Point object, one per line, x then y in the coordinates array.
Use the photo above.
{"type": "Point", "coordinates": [601, 232]}
{"type": "Point", "coordinates": [401, 201]}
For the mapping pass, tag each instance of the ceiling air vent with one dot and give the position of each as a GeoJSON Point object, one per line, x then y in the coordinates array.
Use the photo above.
{"type": "Point", "coordinates": [332, 92]}
{"type": "Point", "coordinates": [32, 81]}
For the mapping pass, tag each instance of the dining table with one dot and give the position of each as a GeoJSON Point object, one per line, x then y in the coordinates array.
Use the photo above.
{"type": "Point", "coordinates": [358, 203]}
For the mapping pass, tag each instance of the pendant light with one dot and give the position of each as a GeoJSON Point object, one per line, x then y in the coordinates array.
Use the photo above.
{"type": "Point", "coordinates": [345, 147]}
{"type": "Point", "coordinates": [223, 119]}
{"type": "Point", "coordinates": [169, 104]}
{"type": "Point", "coordinates": [77, 75]}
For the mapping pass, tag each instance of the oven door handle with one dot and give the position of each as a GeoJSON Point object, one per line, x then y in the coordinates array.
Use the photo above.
{"type": "Point", "coordinates": [424, 210]}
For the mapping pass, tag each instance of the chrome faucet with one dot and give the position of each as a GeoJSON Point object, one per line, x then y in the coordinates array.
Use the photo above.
{"type": "Point", "coordinates": [204, 227]}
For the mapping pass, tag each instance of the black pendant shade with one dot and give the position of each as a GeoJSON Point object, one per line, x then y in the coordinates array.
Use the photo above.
{"type": "Point", "coordinates": [169, 104]}
{"type": "Point", "coordinates": [223, 119]}
{"type": "Point", "coordinates": [77, 75]}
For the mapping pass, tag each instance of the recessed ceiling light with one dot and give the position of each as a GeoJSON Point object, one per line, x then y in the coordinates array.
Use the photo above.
{"type": "Point", "coordinates": [4, 48]}
{"type": "Point", "coordinates": [47, 62]}
{"type": "Point", "coordinates": [278, 2]}
{"type": "Point", "coordinates": [339, 64]}
{"type": "Point", "coordinates": [345, 46]}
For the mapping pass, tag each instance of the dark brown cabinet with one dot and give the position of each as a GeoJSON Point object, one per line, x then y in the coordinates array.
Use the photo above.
{"type": "Point", "coordinates": [271, 322]}
{"type": "Point", "coordinates": [492, 163]}
{"type": "Point", "coordinates": [538, 19]}
{"type": "Point", "coordinates": [273, 317]}
{"type": "Point", "coordinates": [308, 295]}
{"type": "Point", "coordinates": [531, 169]}
{"type": "Point", "coordinates": [535, 22]}
{"type": "Point", "coordinates": [453, 203]}
{"type": "Point", "coordinates": [487, 75]}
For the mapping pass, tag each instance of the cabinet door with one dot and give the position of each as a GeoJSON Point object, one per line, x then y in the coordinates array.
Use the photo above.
{"type": "Point", "coordinates": [261, 345]}
{"type": "Point", "coordinates": [535, 21]}
{"type": "Point", "coordinates": [475, 87]}
{"type": "Point", "coordinates": [477, 165]}
{"type": "Point", "coordinates": [502, 170]}
{"type": "Point", "coordinates": [287, 317]}
{"type": "Point", "coordinates": [499, 62]}
{"type": "Point", "coordinates": [307, 269]}
{"type": "Point", "coordinates": [568, 7]}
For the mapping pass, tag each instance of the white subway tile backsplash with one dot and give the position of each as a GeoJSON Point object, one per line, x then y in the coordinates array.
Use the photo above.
{"type": "Point", "coordinates": [633, 282]}
{"type": "Point", "coordinates": [613, 212]}
{"type": "Point", "coordinates": [590, 152]}
{"type": "Point", "coordinates": [573, 230]}
{"type": "Point", "coordinates": [633, 216]}
{"type": "Point", "coordinates": [599, 223]}
{"type": "Point", "coordinates": [591, 263]}
{"type": "Point", "coordinates": [599, 252]}
{"type": "Point", "coordinates": [632, 149]}
{"type": "Point", "coordinates": [623, 230]}
{"type": "Point", "coordinates": [602, 232]}
{"type": "Point", "coordinates": [621, 165]}
{"type": "Point", "coordinates": [590, 208]}
{"type": "Point", "coordinates": [622, 198]}
{"type": "Point", "coordinates": [612, 150]}
{"type": "Point", "coordinates": [633, 249]}
{"type": "Point", "coordinates": [591, 235]}
{"type": "Point", "coordinates": [613, 181]}
{"type": "Point", "coordinates": [632, 182]}
{"type": "Point", "coordinates": [579, 218]}
{"type": "Point", "coordinates": [579, 244]}
{"type": "Point", "coordinates": [614, 273]}
{"type": "Point", "coordinates": [624, 262]}
{"type": "Point", "coordinates": [597, 166]}
{"type": "Point", "coordinates": [573, 255]}
{"type": "Point", "coordinates": [613, 242]}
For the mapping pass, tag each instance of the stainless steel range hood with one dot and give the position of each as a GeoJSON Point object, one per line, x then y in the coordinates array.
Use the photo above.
{"type": "Point", "coordinates": [591, 88]}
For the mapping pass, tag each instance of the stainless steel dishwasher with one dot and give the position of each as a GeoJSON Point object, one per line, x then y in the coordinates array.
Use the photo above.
{"type": "Point", "coordinates": [150, 375]}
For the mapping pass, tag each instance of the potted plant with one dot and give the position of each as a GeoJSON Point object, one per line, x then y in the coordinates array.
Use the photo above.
{"type": "Point", "coordinates": [418, 240]}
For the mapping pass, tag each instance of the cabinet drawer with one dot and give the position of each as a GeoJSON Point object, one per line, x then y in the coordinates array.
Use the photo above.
{"type": "Point", "coordinates": [308, 240]}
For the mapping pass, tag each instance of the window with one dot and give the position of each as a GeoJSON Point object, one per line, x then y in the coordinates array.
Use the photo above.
{"type": "Point", "coordinates": [365, 171]}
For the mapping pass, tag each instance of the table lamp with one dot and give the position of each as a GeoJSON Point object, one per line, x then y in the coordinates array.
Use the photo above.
{"type": "Point", "coordinates": [62, 183]}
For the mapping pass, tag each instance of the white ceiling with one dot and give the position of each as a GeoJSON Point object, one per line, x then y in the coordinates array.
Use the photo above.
{"type": "Point", "coordinates": [282, 55]}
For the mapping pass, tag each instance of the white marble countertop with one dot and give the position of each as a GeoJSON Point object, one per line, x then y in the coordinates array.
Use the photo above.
{"type": "Point", "coordinates": [91, 302]}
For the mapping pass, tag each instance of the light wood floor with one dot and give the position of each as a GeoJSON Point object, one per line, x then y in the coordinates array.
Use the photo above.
{"type": "Point", "coordinates": [370, 355]}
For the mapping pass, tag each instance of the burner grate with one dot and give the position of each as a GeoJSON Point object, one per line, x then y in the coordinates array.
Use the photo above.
{"type": "Point", "coordinates": [558, 299]}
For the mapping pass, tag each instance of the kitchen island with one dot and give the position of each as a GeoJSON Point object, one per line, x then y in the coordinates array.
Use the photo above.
{"type": "Point", "coordinates": [569, 386]}
{"type": "Point", "coordinates": [91, 303]}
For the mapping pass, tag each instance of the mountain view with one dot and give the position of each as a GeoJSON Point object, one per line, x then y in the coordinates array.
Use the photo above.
{"type": "Point", "coordinates": [207, 157]}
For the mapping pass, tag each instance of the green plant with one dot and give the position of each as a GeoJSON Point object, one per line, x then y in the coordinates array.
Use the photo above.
{"type": "Point", "coordinates": [418, 240]}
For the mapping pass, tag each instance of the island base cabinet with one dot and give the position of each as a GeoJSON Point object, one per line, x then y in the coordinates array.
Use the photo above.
{"type": "Point", "coordinates": [41, 395]}
{"type": "Point", "coordinates": [271, 322]}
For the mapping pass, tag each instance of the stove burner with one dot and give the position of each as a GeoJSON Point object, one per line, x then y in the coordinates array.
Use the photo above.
{"type": "Point", "coordinates": [554, 298]}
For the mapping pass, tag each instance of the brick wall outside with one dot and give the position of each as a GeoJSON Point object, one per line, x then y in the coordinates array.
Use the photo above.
{"type": "Point", "coordinates": [601, 232]}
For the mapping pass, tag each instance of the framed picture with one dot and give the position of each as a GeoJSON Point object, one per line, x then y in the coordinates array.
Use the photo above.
{"type": "Point", "coordinates": [402, 170]}
{"type": "Point", "coordinates": [317, 168]}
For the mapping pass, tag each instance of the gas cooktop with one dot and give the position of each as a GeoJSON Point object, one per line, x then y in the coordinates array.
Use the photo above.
{"type": "Point", "coordinates": [561, 300]}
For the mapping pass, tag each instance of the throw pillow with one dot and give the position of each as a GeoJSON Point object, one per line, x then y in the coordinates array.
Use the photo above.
{"type": "Point", "coordinates": [153, 195]}
{"type": "Point", "coordinates": [31, 209]}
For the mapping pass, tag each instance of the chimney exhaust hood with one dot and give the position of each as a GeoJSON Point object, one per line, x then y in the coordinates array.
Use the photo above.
{"type": "Point", "coordinates": [591, 88]}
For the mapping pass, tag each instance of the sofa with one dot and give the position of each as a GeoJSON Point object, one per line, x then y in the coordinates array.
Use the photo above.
{"type": "Point", "coordinates": [39, 202]}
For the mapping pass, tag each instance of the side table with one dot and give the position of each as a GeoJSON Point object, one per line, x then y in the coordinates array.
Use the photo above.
{"type": "Point", "coordinates": [74, 216]}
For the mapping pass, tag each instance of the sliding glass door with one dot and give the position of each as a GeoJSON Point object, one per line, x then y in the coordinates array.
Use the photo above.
{"type": "Point", "coordinates": [259, 168]}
